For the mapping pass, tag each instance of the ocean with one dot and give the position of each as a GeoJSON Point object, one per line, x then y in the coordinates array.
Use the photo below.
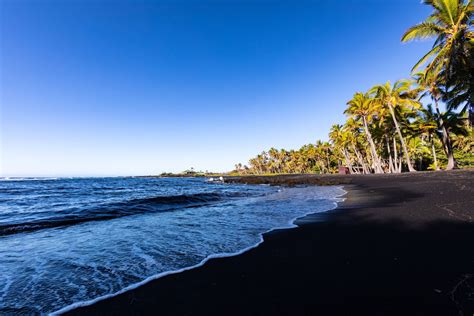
{"type": "Point", "coordinates": [67, 242]}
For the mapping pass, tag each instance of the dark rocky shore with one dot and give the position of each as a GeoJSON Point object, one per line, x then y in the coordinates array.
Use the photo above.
{"type": "Point", "coordinates": [399, 245]}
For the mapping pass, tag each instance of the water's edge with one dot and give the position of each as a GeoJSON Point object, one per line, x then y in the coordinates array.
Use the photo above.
{"type": "Point", "coordinates": [291, 225]}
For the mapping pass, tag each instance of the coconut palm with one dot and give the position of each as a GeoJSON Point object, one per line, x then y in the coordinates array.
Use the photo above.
{"type": "Point", "coordinates": [430, 85]}
{"type": "Point", "coordinates": [339, 139]}
{"type": "Point", "coordinates": [427, 124]}
{"type": "Point", "coordinates": [450, 60]}
{"type": "Point", "coordinates": [465, 142]}
{"type": "Point", "coordinates": [385, 127]}
{"type": "Point", "coordinates": [354, 136]}
{"type": "Point", "coordinates": [361, 107]}
{"type": "Point", "coordinates": [386, 123]}
{"type": "Point", "coordinates": [398, 95]}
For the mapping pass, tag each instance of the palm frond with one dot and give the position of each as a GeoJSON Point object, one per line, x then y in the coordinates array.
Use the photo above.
{"type": "Point", "coordinates": [422, 30]}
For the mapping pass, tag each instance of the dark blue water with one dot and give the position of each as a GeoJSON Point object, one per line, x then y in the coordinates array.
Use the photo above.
{"type": "Point", "coordinates": [64, 242]}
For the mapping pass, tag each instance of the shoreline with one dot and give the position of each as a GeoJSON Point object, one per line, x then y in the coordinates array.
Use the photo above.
{"type": "Point", "coordinates": [290, 225]}
{"type": "Point", "coordinates": [271, 276]}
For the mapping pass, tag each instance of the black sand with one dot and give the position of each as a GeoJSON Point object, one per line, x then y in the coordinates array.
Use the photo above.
{"type": "Point", "coordinates": [399, 245]}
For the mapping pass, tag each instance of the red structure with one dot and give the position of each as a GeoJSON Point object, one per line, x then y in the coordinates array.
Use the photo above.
{"type": "Point", "coordinates": [343, 170]}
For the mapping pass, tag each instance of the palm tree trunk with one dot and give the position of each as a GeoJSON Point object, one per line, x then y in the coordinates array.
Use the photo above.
{"type": "Point", "coordinates": [348, 160]}
{"type": "Point", "coordinates": [376, 159]}
{"type": "Point", "coordinates": [368, 158]}
{"type": "Point", "coordinates": [402, 141]}
{"type": "Point", "coordinates": [395, 154]}
{"type": "Point", "coordinates": [446, 140]}
{"type": "Point", "coordinates": [360, 159]}
{"type": "Point", "coordinates": [452, 164]}
{"type": "Point", "coordinates": [391, 167]}
{"type": "Point", "coordinates": [397, 151]}
{"type": "Point", "coordinates": [435, 160]}
{"type": "Point", "coordinates": [327, 159]}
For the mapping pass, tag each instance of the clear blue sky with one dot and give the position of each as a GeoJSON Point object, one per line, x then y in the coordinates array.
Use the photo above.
{"type": "Point", "coordinates": [140, 87]}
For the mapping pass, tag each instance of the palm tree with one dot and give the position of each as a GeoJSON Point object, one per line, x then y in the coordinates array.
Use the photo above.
{"type": "Point", "coordinates": [361, 107]}
{"type": "Point", "coordinates": [428, 83]}
{"type": "Point", "coordinates": [339, 138]}
{"type": "Point", "coordinates": [418, 150]}
{"type": "Point", "coordinates": [455, 124]}
{"type": "Point", "coordinates": [450, 60]}
{"type": "Point", "coordinates": [385, 128]}
{"type": "Point", "coordinates": [400, 95]}
{"type": "Point", "coordinates": [325, 152]}
{"type": "Point", "coordinates": [274, 162]}
{"type": "Point", "coordinates": [465, 142]}
{"type": "Point", "coordinates": [387, 113]}
{"type": "Point", "coordinates": [352, 128]}
{"type": "Point", "coordinates": [427, 124]}
{"type": "Point", "coordinates": [238, 168]}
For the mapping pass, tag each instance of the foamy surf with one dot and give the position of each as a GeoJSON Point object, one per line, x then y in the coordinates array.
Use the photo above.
{"type": "Point", "coordinates": [291, 224]}
{"type": "Point", "coordinates": [123, 253]}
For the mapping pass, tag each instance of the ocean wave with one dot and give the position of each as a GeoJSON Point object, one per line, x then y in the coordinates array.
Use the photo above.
{"type": "Point", "coordinates": [174, 225]}
{"type": "Point", "coordinates": [290, 224]}
{"type": "Point", "coordinates": [118, 209]}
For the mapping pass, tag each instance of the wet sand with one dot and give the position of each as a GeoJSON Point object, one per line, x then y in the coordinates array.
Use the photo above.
{"type": "Point", "coordinates": [399, 245]}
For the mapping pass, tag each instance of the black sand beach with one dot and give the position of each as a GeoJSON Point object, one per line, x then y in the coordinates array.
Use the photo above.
{"type": "Point", "coordinates": [399, 245]}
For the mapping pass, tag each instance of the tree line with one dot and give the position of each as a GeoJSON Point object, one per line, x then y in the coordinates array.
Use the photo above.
{"type": "Point", "coordinates": [388, 128]}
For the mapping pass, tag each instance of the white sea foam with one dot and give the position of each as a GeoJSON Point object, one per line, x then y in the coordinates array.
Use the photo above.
{"type": "Point", "coordinates": [291, 224]}
{"type": "Point", "coordinates": [53, 270]}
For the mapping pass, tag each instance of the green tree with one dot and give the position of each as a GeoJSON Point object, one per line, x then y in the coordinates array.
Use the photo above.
{"type": "Point", "coordinates": [427, 124]}
{"type": "Point", "coordinates": [361, 107]}
{"type": "Point", "coordinates": [399, 95]}
{"type": "Point", "coordinates": [450, 60]}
